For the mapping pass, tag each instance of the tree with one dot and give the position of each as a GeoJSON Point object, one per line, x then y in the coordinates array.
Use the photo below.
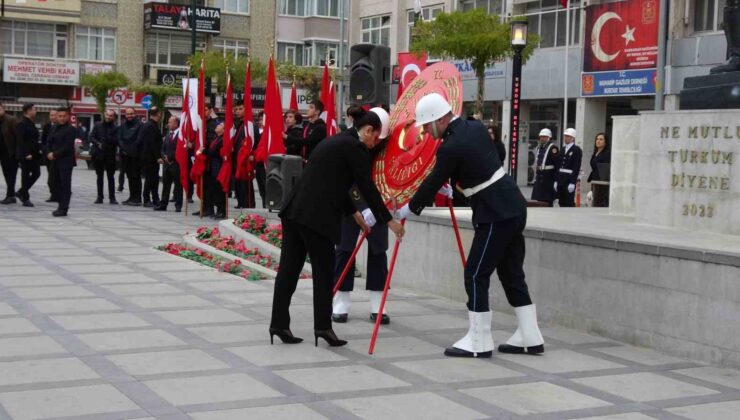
{"type": "Point", "coordinates": [475, 36]}
{"type": "Point", "coordinates": [102, 83]}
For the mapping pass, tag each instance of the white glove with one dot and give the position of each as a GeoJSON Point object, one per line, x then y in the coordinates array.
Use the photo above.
{"type": "Point", "coordinates": [446, 190]}
{"type": "Point", "coordinates": [556, 186]}
{"type": "Point", "coordinates": [571, 188]}
{"type": "Point", "coordinates": [369, 217]}
{"type": "Point", "coordinates": [403, 212]}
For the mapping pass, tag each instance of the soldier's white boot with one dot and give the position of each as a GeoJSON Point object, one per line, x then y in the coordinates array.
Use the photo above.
{"type": "Point", "coordinates": [527, 338]}
{"type": "Point", "coordinates": [340, 308]}
{"type": "Point", "coordinates": [478, 342]}
{"type": "Point", "coordinates": [375, 298]}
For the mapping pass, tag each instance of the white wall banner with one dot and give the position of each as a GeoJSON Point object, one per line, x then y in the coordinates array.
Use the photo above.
{"type": "Point", "coordinates": [25, 70]}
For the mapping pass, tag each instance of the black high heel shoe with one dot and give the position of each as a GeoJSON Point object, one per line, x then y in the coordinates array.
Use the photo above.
{"type": "Point", "coordinates": [285, 336]}
{"type": "Point", "coordinates": [330, 338]}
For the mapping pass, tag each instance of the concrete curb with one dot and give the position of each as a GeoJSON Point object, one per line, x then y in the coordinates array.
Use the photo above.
{"type": "Point", "coordinates": [190, 239]}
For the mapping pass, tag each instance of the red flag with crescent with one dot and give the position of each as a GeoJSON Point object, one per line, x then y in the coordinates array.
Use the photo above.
{"type": "Point", "coordinates": [410, 154]}
{"type": "Point", "coordinates": [621, 36]}
{"type": "Point", "coordinates": [227, 147]}
{"type": "Point", "coordinates": [410, 65]}
{"type": "Point", "coordinates": [184, 135]}
{"type": "Point", "coordinates": [244, 166]}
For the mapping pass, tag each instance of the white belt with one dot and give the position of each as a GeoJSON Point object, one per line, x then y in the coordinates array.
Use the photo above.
{"type": "Point", "coordinates": [566, 171]}
{"type": "Point", "coordinates": [546, 168]}
{"type": "Point", "coordinates": [473, 190]}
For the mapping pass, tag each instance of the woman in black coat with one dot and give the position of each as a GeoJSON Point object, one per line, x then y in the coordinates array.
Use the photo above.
{"type": "Point", "coordinates": [311, 218]}
{"type": "Point", "coordinates": [602, 154]}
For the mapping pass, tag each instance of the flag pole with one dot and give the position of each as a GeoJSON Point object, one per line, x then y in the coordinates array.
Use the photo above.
{"type": "Point", "coordinates": [385, 294]}
{"type": "Point", "coordinates": [565, 77]}
{"type": "Point", "coordinates": [457, 232]}
{"type": "Point", "coordinates": [352, 257]}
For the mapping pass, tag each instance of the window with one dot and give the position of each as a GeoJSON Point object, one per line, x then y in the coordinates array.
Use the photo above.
{"type": "Point", "coordinates": [234, 6]}
{"type": "Point", "coordinates": [324, 8]}
{"type": "Point", "coordinates": [492, 7]}
{"type": "Point", "coordinates": [427, 14]}
{"type": "Point", "coordinates": [33, 39]}
{"type": "Point", "coordinates": [232, 47]}
{"type": "Point", "coordinates": [96, 44]}
{"type": "Point", "coordinates": [316, 53]}
{"type": "Point", "coordinates": [376, 30]}
{"type": "Point", "coordinates": [708, 15]}
{"type": "Point", "coordinates": [293, 7]}
{"type": "Point", "coordinates": [168, 50]}
{"type": "Point", "coordinates": [548, 20]}
{"type": "Point", "coordinates": [291, 53]}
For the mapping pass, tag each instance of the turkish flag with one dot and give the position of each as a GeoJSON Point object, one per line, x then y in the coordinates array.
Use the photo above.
{"type": "Point", "coordinates": [271, 141]}
{"type": "Point", "coordinates": [184, 135]}
{"type": "Point", "coordinates": [621, 36]}
{"type": "Point", "coordinates": [410, 65]}
{"type": "Point", "coordinates": [227, 147]}
{"type": "Point", "coordinates": [244, 166]}
{"type": "Point", "coordinates": [294, 97]}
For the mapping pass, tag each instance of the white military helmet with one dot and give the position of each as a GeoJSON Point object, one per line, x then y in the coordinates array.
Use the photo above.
{"type": "Point", "coordinates": [570, 132]}
{"type": "Point", "coordinates": [546, 132]}
{"type": "Point", "coordinates": [385, 121]}
{"type": "Point", "coordinates": [430, 108]}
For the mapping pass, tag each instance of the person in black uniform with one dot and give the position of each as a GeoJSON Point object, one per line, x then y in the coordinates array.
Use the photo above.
{"type": "Point", "coordinates": [128, 143]}
{"type": "Point", "coordinates": [377, 241]}
{"type": "Point", "coordinates": [293, 130]}
{"type": "Point", "coordinates": [170, 168]}
{"type": "Point", "coordinates": [260, 170]}
{"type": "Point", "coordinates": [214, 193]}
{"type": "Point", "coordinates": [311, 219]}
{"type": "Point", "coordinates": [8, 159]}
{"type": "Point", "coordinates": [569, 170]}
{"type": "Point", "coordinates": [242, 190]}
{"type": "Point", "coordinates": [312, 134]}
{"type": "Point", "coordinates": [45, 138]}
{"type": "Point", "coordinates": [29, 153]}
{"type": "Point", "coordinates": [499, 218]}
{"type": "Point", "coordinates": [546, 171]}
{"type": "Point", "coordinates": [103, 149]}
{"type": "Point", "coordinates": [151, 151]}
{"type": "Point", "coordinates": [62, 153]}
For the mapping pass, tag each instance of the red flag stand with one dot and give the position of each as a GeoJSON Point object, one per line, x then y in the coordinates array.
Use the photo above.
{"type": "Point", "coordinates": [349, 263]}
{"type": "Point", "coordinates": [385, 294]}
{"type": "Point", "coordinates": [457, 232]}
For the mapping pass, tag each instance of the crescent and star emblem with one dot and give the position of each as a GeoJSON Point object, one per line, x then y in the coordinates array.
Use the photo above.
{"type": "Point", "coordinates": [628, 35]}
{"type": "Point", "coordinates": [409, 68]}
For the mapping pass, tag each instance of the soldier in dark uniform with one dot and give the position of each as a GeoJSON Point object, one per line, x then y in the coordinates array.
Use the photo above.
{"type": "Point", "coordinates": [29, 153]}
{"type": "Point", "coordinates": [546, 171]}
{"type": "Point", "coordinates": [377, 241]}
{"type": "Point", "coordinates": [569, 169]}
{"type": "Point", "coordinates": [104, 146]}
{"type": "Point", "coordinates": [170, 167]}
{"type": "Point", "coordinates": [499, 218]}
{"type": "Point", "coordinates": [62, 153]}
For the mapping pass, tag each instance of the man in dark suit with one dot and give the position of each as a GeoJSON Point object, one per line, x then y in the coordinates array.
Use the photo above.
{"type": "Point", "coordinates": [569, 170]}
{"type": "Point", "coordinates": [29, 153]}
{"type": "Point", "coordinates": [547, 168]}
{"type": "Point", "coordinates": [46, 132]}
{"type": "Point", "coordinates": [304, 143]}
{"type": "Point", "coordinates": [8, 160]}
{"type": "Point", "coordinates": [151, 151]}
{"type": "Point", "coordinates": [170, 168]}
{"type": "Point", "coordinates": [128, 143]}
{"type": "Point", "coordinates": [62, 153]}
{"type": "Point", "coordinates": [499, 217]}
{"type": "Point", "coordinates": [311, 219]}
{"type": "Point", "coordinates": [260, 172]}
{"type": "Point", "coordinates": [103, 149]}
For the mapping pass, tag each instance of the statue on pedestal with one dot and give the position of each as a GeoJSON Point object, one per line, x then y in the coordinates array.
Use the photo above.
{"type": "Point", "coordinates": [732, 33]}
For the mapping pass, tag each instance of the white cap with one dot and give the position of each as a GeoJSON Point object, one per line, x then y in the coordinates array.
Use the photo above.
{"type": "Point", "coordinates": [385, 121]}
{"type": "Point", "coordinates": [570, 132]}
{"type": "Point", "coordinates": [430, 108]}
{"type": "Point", "coordinates": [546, 132]}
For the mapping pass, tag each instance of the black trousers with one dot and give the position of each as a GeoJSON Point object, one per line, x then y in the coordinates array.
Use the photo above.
{"type": "Point", "coordinates": [64, 187]}
{"type": "Point", "coordinates": [30, 172]}
{"type": "Point", "coordinates": [213, 194]}
{"type": "Point", "coordinates": [10, 171]}
{"type": "Point", "coordinates": [121, 174]}
{"type": "Point", "coordinates": [150, 170]}
{"type": "Point", "coordinates": [51, 179]}
{"type": "Point", "coordinates": [133, 173]}
{"type": "Point", "coordinates": [170, 176]}
{"type": "Point", "coordinates": [297, 242]}
{"type": "Point", "coordinates": [377, 260]}
{"type": "Point", "coordinates": [244, 194]}
{"type": "Point", "coordinates": [497, 246]}
{"type": "Point", "coordinates": [566, 199]}
{"type": "Point", "coordinates": [261, 176]}
{"type": "Point", "coordinates": [106, 169]}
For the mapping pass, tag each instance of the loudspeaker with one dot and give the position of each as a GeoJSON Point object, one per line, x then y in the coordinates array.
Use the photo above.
{"type": "Point", "coordinates": [370, 74]}
{"type": "Point", "coordinates": [283, 172]}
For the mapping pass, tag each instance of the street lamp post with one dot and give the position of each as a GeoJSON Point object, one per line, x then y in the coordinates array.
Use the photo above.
{"type": "Point", "coordinates": [518, 42]}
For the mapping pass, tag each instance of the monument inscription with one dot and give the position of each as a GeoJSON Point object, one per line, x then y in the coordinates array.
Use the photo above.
{"type": "Point", "coordinates": [686, 170]}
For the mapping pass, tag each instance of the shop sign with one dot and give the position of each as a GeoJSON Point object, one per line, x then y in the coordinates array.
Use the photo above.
{"type": "Point", "coordinates": [95, 68]}
{"type": "Point", "coordinates": [176, 17]}
{"type": "Point", "coordinates": [40, 72]}
{"type": "Point", "coordinates": [171, 78]}
{"type": "Point", "coordinates": [619, 83]}
{"type": "Point", "coordinates": [301, 95]}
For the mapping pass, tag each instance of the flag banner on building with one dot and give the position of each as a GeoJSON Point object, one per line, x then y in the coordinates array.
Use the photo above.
{"type": "Point", "coordinates": [271, 139]}
{"type": "Point", "coordinates": [227, 147]}
{"type": "Point", "coordinates": [184, 135]}
{"type": "Point", "coordinates": [410, 65]}
{"type": "Point", "coordinates": [244, 166]}
{"type": "Point", "coordinates": [622, 48]}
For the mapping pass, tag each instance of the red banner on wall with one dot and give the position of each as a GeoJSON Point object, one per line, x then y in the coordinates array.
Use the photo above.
{"type": "Point", "coordinates": [621, 36]}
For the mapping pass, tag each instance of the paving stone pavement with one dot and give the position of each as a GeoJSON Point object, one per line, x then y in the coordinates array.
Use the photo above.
{"type": "Point", "coordinates": [95, 324]}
